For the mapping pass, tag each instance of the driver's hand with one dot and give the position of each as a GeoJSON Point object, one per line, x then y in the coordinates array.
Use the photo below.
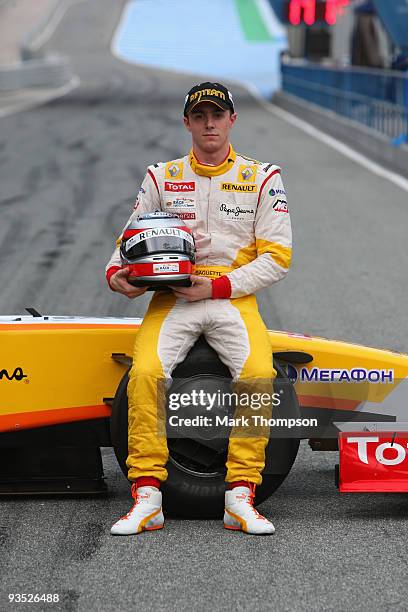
{"type": "Point", "coordinates": [119, 283]}
{"type": "Point", "coordinates": [201, 289]}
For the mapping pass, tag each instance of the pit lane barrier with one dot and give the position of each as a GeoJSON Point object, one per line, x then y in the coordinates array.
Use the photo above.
{"type": "Point", "coordinates": [49, 72]}
{"type": "Point", "coordinates": [36, 68]}
{"type": "Point", "coordinates": [365, 108]}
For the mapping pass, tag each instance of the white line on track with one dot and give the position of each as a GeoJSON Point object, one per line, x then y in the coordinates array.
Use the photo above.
{"type": "Point", "coordinates": [53, 22]}
{"type": "Point", "coordinates": [30, 104]}
{"type": "Point", "coordinates": [49, 28]}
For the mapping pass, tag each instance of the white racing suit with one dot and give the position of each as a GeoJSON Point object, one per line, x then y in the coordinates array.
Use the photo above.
{"type": "Point", "coordinates": [239, 217]}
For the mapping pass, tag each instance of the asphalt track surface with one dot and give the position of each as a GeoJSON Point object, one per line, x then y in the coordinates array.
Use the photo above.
{"type": "Point", "coordinates": [69, 172]}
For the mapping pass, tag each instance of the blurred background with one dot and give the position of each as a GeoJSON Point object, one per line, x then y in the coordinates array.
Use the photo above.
{"type": "Point", "coordinates": [91, 92]}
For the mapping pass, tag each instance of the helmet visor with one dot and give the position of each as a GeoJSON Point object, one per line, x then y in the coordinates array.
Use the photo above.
{"type": "Point", "coordinates": [158, 240]}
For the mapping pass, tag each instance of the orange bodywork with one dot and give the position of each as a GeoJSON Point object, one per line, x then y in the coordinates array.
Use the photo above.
{"type": "Point", "coordinates": [61, 370]}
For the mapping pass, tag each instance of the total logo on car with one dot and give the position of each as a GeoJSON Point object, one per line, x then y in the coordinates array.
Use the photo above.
{"type": "Point", "coordinates": [373, 462]}
{"type": "Point", "coordinates": [387, 453]}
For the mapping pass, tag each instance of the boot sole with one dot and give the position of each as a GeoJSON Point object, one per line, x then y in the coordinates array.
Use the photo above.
{"type": "Point", "coordinates": [138, 532]}
{"type": "Point", "coordinates": [248, 532]}
{"type": "Point", "coordinates": [152, 528]}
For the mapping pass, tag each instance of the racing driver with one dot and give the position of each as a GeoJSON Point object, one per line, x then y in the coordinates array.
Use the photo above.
{"type": "Point", "coordinates": [236, 208]}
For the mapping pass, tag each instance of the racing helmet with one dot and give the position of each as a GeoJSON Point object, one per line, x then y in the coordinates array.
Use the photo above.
{"type": "Point", "coordinates": [159, 250]}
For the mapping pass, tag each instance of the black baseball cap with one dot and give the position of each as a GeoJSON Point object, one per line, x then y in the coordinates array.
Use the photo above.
{"type": "Point", "coordinates": [209, 92]}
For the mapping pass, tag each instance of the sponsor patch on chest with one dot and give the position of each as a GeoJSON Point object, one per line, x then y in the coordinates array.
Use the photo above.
{"type": "Point", "coordinates": [239, 188]}
{"type": "Point", "coordinates": [247, 174]}
{"type": "Point", "coordinates": [174, 170]}
{"type": "Point", "coordinates": [179, 201]}
{"type": "Point", "coordinates": [236, 212]}
{"type": "Point", "coordinates": [180, 186]}
{"type": "Point", "coordinates": [189, 216]}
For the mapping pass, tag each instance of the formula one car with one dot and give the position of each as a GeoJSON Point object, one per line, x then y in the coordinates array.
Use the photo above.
{"type": "Point", "coordinates": [63, 383]}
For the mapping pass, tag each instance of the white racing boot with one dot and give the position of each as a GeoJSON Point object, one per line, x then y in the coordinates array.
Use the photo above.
{"type": "Point", "coordinates": [241, 515]}
{"type": "Point", "coordinates": [146, 514]}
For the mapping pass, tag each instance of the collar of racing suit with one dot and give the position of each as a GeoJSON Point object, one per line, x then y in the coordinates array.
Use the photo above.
{"type": "Point", "coordinates": [207, 170]}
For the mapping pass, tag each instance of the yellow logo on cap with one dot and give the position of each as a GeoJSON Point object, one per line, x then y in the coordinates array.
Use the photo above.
{"type": "Point", "coordinates": [206, 92]}
{"type": "Point", "coordinates": [247, 174]}
{"type": "Point", "coordinates": [174, 171]}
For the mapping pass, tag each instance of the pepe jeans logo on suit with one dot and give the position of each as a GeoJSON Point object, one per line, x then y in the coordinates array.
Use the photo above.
{"type": "Point", "coordinates": [236, 213]}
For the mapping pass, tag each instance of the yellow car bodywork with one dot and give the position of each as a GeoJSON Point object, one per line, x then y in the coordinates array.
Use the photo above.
{"type": "Point", "coordinates": [60, 369]}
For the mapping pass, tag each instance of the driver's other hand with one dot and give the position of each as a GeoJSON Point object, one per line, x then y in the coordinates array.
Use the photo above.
{"type": "Point", "coordinates": [119, 283]}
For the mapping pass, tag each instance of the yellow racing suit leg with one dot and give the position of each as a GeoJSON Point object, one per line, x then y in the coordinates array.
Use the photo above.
{"type": "Point", "coordinates": [147, 443]}
{"type": "Point", "coordinates": [242, 341]}
{"type": "Point", "coordinates": [246, 451]}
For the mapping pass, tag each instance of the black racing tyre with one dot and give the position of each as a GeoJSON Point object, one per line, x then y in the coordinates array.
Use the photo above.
{"type": "Point", "coordinates": [195, 486]}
